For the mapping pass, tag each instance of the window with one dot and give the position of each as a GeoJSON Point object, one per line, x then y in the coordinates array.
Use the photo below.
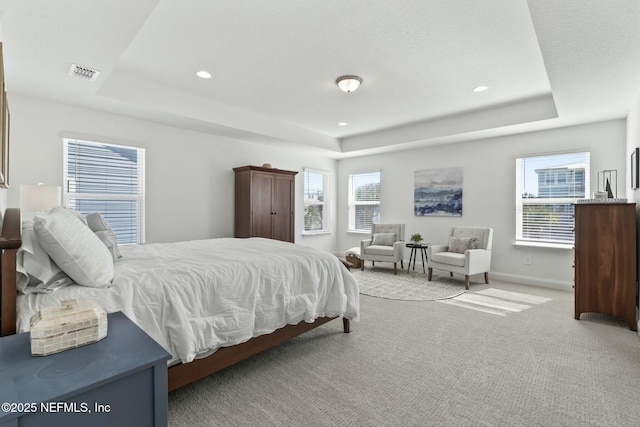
{"type": "Point", "coordinates": [316, 213]}
{"type": "Point", "coordinates": [364, 201]}
{"type": "Point", "coordinates": [108, 179]}
{"type": "Point", "coordinates": [546, 188]}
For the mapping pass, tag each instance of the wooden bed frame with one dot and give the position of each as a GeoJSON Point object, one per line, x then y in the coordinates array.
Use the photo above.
{"type": "Point", "coordinates": [179, 375]}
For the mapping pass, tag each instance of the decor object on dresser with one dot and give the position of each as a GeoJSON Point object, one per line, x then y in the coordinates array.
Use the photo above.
{"type": "Point", "coordinates": [438, 192]}
{"type": "Point", "coordinates": [264, 203]}
{"type": "Point", "coordinates": [468, 252]}
{"type": "Point", "coordinates": [386, 244]}
{"type": "Point", "coordinates": [605, 260]}
{"type": "Point", "coordinates": [608, 183]}
{"type": "Point", "coordinates": [118, 381]}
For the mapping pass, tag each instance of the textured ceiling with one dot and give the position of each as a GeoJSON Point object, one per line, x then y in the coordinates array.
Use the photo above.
{"type": "Point", "coordinates": [274, 64]}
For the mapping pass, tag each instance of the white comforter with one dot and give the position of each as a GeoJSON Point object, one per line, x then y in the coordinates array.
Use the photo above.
{"type": "Point", "coordinates": [195, 297]}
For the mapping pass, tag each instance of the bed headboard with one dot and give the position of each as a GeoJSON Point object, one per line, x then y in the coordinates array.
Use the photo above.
{"type": "Point", "coordinates": [10, 242]}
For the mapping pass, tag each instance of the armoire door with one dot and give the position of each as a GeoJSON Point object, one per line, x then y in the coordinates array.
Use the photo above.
{"type": "Point", "coordinates": [282, 208]}
{"type": "Point", "coordinates": [262, 212]}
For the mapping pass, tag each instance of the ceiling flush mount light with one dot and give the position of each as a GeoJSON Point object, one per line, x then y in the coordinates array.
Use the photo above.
{"type": "Point", "coordinates": [203, 74]}
{"type": "Point", "coordinates": [348, 83]}
{"type": "Point", "coordinates": [342, 124]}
{"type": "Point", "coordinates": [480, 88]}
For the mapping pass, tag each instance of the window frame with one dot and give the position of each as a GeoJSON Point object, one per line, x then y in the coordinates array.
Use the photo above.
{"type": "Point", "coordinates": [521, 202]}
{"type": "Point", "coordinates": [139, 198]}
{"type": "Point", "coordinates": [352, 203]}
{"type": "Point", "coordinates": [324, 203]}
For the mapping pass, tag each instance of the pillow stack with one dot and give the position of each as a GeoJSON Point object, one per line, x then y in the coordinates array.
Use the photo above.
{"type": "Point", "coordinates": [63, 247]}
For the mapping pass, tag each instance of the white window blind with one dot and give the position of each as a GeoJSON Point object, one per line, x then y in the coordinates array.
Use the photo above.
{"type": "Point", "coordinates": [546, 189]}
{"type": "Point", "coordinates": [364, 201]}
{"type": "Point", "coordinates": [108, 179]}
{"type": "Point", "coordinates": [316, 214]}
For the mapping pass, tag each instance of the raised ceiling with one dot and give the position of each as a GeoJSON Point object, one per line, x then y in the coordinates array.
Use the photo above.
{"type": "Point", "coordinates": [274, 64]}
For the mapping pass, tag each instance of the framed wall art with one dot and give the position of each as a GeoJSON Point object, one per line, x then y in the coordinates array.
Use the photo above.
{"type": "Point", "coordinates": [438, 192]}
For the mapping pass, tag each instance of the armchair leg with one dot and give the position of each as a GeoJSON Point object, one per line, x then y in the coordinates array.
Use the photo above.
{"type": "Point", "coordinates": [362, 266]}
{"type": "Point", "coordinates": [402, 264]}
{"type": "Point", "coordinates": [451, 273]}
{"type": "Point", "coordinates": [466, 281]}
{"type": "Point", "coordinates": [395, 268]}
{"type": "Point", "coordinates": [430, 272]}
{"type": "Point", "coordinates": [486, 278]}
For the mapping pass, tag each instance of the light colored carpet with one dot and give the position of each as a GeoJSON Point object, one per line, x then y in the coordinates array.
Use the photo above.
{"type": "Point", "coordinates": [382, 283]}
{"type": "Point", "coordinates": [417, 363]}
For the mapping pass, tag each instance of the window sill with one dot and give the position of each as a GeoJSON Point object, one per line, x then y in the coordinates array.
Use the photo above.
{"type": "Point", "coordinates": [547, 245]}
{"type": "Point", "coordinates": [315, 233]}
{"type": "Point", "coordinates": [359, 232]}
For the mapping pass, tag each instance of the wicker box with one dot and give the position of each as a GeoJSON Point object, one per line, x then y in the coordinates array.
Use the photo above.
{"type": "Point", "coordinates": [354, 260]}
{"type": "Point", "coordinates": [70, 325]}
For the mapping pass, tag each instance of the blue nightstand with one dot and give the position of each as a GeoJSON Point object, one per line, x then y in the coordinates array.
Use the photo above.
{"type": "Point", "coordinates": [118, 381]}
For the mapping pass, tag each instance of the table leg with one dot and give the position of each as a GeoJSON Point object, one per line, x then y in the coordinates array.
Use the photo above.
{"type": "Point", "coordinates": [424, 258]}
{"type": "Point", "coordinates": [411, 256]}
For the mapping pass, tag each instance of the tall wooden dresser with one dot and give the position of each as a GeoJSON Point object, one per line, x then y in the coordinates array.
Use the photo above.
{"type": "Point", "coordinates": [605, 260]}
{"type": "Point", "coordinates": [265, 203]}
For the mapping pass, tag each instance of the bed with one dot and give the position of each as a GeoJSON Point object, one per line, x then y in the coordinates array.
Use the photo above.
{"type": "Point", "coordinates": [211, 303]}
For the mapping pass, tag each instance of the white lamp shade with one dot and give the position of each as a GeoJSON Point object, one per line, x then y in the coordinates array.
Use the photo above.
{"type": "Point", "coordinates": [37, 198]}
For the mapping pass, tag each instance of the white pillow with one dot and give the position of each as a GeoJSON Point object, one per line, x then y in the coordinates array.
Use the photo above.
{"type": "Point", "coordinates": [105, 233]}
{"type": "Point", "coordinates": [461, 244]}
{"type": "Point", "coordinates": [384, 239]}
{"type": "Point", "coordinates": [36, 271]}
{"type": "Point", "coordinates": [74, 247]}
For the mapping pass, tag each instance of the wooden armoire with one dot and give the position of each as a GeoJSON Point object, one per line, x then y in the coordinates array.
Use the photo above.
{"type": "Point", "coordinates": [265, 203]}
{"type": "Point", "coordinates": [605, 260]}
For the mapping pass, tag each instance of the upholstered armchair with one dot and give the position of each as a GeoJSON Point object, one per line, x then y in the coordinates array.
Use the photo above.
{"type": "Point", "coordinates": [467, 252]}
{"type": "Point", "coordinates": [385, 244]}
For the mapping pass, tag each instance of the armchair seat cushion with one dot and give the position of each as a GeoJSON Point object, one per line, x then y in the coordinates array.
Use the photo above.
{"type": "Point", "coordinates": [379, 250]}
{"type": "Point", "coordinates": [450, 258]}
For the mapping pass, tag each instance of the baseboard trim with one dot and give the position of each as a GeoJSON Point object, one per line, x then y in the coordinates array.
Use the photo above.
{"type": "Point", "coordinates": [532, 281]}
{"type": "Point", "coordinates": [518, 279]}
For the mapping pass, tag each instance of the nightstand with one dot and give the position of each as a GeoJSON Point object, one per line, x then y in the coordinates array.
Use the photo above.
{"type": "Point", "coordinates": [118, 381]}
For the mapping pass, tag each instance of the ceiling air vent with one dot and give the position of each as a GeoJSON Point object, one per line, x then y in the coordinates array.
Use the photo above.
{"type": "Point", "coordinates": [83, 72]}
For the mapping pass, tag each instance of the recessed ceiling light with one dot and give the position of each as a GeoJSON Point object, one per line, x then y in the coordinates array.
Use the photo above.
{"type": "Point", "coordinates": [342, 124]}
{"type": "Point", "coordinates": [480, 88]}
{"type": "Point", "coordinates": [203, 74]}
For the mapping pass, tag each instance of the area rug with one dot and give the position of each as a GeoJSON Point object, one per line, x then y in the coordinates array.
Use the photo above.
{"type": "Point", "coordinates": [405, 286]}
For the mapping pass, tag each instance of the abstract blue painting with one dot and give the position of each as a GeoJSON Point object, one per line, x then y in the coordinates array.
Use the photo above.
{"type": "Point", "coordinates": [438, 192]}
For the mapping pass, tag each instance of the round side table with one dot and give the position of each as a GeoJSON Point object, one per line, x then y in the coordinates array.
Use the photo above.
{"type": "Point", "coordinates": [415, 247]}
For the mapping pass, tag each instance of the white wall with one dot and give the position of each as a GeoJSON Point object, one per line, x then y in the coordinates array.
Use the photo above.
{"type": "Point", "coordinates": [189, 176]}
{"type": "Point", "coordinates": [488, 192]}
